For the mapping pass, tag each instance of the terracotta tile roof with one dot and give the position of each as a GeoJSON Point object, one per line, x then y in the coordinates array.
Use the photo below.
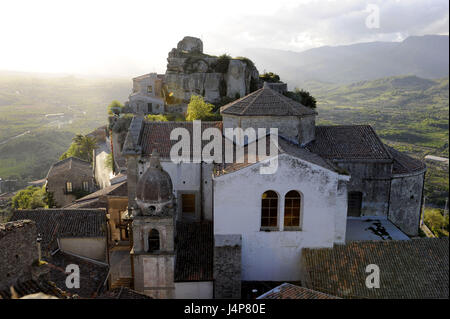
{"type": "Point", "coordinates": [266, 102]}
{"type": "Point", "coordinates": [92, 203]}
{"type": "Point", "coordinates": [64, 223]}
{"type": "Point", "coordinates": [157, 135]}
{"type": "Point", "coordinates": [32, 287]}
{"type": "Point", "coordinates": [92, 274]}
{"type": "Point", "coordinates": [194, 250]}
{"type": "Point", "coordinates": [290, 291]}
{"type": "Point", "coordinates": [416, 268]}
{"type": "Point", "coordinates": [122, 293]}
{"type": "Point", "coordinates": [404, 164]}
{"type": "Point", "coordinates": [71, 163]}
{"type": "Point", "coordinates": [348, 142]}
{"type": "Point", "coordinates": [119, 189]}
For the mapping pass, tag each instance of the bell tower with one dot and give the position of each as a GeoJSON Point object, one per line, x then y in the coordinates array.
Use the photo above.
{"type": "Point", "coordinates": [153, 252]}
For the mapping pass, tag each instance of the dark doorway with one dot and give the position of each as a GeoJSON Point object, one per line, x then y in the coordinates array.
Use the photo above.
{"type": "Point", "coordinates": [354, 204]}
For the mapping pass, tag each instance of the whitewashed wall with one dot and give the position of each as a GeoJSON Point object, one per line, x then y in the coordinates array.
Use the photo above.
{"type": "Point", "coordinates": [275, 255]}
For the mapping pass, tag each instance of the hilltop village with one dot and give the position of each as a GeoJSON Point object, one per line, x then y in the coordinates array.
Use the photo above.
{"type": "Point", "coordinates": [338, 201]}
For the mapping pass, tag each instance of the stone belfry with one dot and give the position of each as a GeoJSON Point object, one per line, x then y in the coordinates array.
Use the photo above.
{"type": "Point", "coordinates": [153, 255]}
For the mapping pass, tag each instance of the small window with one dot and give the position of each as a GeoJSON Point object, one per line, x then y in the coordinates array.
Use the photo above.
{"type": "Point", "coordinates": [149, 89]}
{"type": "Point", "coordinates": [86, 186]}
{"type": "Point", "coordinates": [153, 240]}
{"type": "Point", "coordinates": [69, 187]}
{"type": "Point", "coordinates": [269, 209]}
{"type": "Point", "coordinates": [292, 209]}
{"type": "Point", "coordinates": [188, 204]}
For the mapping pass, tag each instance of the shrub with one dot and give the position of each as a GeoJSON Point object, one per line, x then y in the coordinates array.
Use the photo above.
{"type": "Point", "coordinates": [270, 77]}
{"type": "Point", "coordinates": [198, 109]}
{"type": "Point", "coordinates": [302, 97]}
{"type": "Point", "coordinates": [437, 223]}
{"type": "Point", "coordinates": [115, 108]}
{"type": "Point", "coordinates": [156, 118]}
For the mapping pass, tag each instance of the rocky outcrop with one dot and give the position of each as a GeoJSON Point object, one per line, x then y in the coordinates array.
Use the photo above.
{"type": "Point", "coordinates": [190, 71]}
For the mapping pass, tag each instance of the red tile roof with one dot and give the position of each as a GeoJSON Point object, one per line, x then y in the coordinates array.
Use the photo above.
{"type": "Point", "coordinates": [404, 164]}
{"type": "Point", "coordinates": [289, 291]}
{"type": "Point", "coordinates": [71, 163]}
{"type": "Point", "coordinates": [416, 268]}
{"type": "Point", "coordinates": [266, 102]}
{"type": "Point", "coordinates": [194, 250]}
{"type": "Point", "coordinates": [348, 142]}
{"type": "Point", "coordinates": [157, 135]}
{"type": "Point", "coordinates": [64, 223]}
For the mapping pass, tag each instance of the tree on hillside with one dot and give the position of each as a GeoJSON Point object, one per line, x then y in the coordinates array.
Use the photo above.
{"type": "Point", "coordinates": [302, 97]}
{"type": "Point", "coordinates": [30, 198]}
{"type": "Point", "coordinates": [81, 147]}
{"type": "Point", "coordinates": [115, 107]}
{"type": "Point", "coordinates": [198, 109]}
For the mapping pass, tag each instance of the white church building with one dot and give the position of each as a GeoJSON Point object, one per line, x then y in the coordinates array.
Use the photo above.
{"type": "Point", "coordinates": [201, 228]}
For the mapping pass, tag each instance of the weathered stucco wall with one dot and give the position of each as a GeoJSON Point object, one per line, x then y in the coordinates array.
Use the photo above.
{"type": "Point", "coordinates": [373, 180]}
{"type": "Point", "coordinates": [307, 129]}
{"type": "Point", "coordinates": [56, 184]}
{"type": "Point", "coordinates": [194, 290]}
{"type": "Point", "coordinates": [154, 275]}
{"type": "Point", "coordinates": [405, 202]}
{"type": "Point", "coordinates": [94, 248]}
{"type": "Point", "coordinates": [295, 129]}
{"type": "Point", "coordinates": [275, 255]}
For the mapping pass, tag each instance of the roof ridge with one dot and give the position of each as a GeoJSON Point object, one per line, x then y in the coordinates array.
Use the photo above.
{"type": "Point", "coordinates": [254, 97]}
{"type": "Point", "coordinates": [226, 106]}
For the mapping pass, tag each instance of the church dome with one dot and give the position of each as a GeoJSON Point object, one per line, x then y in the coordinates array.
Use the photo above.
{"type": "Point", "coordinates": [154, 188]}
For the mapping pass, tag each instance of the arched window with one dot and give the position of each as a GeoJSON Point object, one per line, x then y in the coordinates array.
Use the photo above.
{"type": "Point", "coordinates": [269, 209]}
{"type": "Point", "coordinates": [354, 204]}
{"type": "Point", "coordinates": [292, 202]}
{"type": "Point", "coordinates": [153, 240]}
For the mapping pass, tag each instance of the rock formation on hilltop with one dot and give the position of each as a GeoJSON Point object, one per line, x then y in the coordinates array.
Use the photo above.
{"type": "Point", "coordinates": [190, 71]}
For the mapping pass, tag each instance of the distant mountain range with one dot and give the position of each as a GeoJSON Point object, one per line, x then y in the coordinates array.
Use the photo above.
{"type": "Point", "coordinates": [423, 56]}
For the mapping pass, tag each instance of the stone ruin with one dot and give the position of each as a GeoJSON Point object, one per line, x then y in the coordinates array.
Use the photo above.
{"type": "Point", "coordinates": [190, 71]}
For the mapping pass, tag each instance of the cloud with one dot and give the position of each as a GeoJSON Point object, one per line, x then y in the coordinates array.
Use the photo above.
{"type": "Point", "coordinates": [128, 37]}
{"type": "Point", "coordinates": [316, 23]}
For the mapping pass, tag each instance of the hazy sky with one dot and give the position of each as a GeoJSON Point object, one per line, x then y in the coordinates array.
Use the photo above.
{"type": "Point", "coordinates": [132, 37]}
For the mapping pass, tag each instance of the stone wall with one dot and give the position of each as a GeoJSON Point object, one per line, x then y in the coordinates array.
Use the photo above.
{"type": "Point", "coordinates": [405, 202]}
{"type": "Point", "coordinates": [293, 128]}
{"type": "Point", "coordinates": [18, 251]}
{"type": "Point", "coordinates": [56, 184]}
{"type": "Point", "coordinates": [373, 179]}
{"type": "Point", "coordinates": [227, 266]}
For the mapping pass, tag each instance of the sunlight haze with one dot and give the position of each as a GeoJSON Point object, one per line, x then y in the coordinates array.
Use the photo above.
{"type": "Point", "coordinates": [123, 38]}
